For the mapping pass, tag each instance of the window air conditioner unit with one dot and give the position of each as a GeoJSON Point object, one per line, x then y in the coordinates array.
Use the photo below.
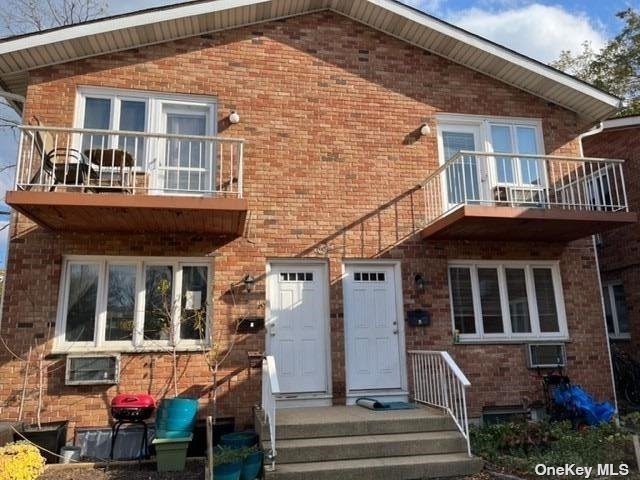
{"type": "Point", "coordinates": [519, 196]}
{"type": "Point", "coordinates": [525, 195]}
{"type": "Point", "coordinates": [546, 355]}
{"type": "Point", "coordinates": [92, 369]}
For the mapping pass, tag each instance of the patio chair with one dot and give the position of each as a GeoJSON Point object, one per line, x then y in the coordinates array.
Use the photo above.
{"type": "Point", "coordinates": [59, 165]}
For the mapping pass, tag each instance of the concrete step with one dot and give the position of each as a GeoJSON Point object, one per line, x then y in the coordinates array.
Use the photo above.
{"type": "Point", "coordinates": [367, 446]}
{"type": "Point", "coordinates": [396, 468]}
{"type": "Point", "coordinates": [339, 421]}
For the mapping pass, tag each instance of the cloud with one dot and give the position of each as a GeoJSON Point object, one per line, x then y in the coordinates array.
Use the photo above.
{"type": "Point", "coordinates": [539, 31]}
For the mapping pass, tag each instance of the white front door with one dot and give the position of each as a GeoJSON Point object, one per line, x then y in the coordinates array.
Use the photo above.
{"type": "Point", "coordinates": [373, 333]}
{"type": "Point", "coordinates": [298, 324]}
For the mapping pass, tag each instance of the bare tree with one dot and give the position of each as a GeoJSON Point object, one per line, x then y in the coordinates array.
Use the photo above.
{"type": "Point", "coordinates": [23, 16]}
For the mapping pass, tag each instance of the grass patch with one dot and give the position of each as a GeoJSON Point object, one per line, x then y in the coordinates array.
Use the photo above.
{"type": "Point", "coordinates": [519, 446]}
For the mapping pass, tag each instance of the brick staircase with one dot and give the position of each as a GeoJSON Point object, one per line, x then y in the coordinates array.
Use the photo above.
{"type": "Point", "coordinates": [352, 443]}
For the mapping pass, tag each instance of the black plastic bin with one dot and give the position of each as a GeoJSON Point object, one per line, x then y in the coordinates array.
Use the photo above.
{"type": "Point", "coordinates": [52, 436]}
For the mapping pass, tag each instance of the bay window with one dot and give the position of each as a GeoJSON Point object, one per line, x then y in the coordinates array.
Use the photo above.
{"type": "Point", "coordinates": [121, 303]}
{"type": "Point", "coordinates": [506, 301]}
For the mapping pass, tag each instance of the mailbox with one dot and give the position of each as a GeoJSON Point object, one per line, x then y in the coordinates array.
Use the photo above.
{"type": "Point", "coordinates": [418, 318]}
{"type": "Point", "coordinates": [251, 325]}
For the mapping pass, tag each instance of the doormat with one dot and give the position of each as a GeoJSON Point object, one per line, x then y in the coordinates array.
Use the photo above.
{"type": "Point", "coordinates": [373, 404]}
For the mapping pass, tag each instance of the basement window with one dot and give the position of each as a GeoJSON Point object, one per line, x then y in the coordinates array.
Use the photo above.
{"type": "Point", "coordinates": [506, 301]}
{"type": "Point", "coordinates": [127, 303]}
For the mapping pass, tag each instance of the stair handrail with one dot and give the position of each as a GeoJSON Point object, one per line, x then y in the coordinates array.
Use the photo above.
{"type": "Point", "coordinates": [270, 390]}
{"type": "Point", "coordinates": [439, 382]}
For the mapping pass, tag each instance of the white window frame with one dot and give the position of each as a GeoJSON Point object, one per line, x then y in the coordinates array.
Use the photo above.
{"type": "Point", "coordinates": [616, 334]}
{"type": "Point", "coordinates": [508, 335]}
{"type": "Point", "coordinates": [99, 344]}
{"type": "Point", "coordinates": [488, 177]}
{"type": "Point", "coordinates": [156, 103]}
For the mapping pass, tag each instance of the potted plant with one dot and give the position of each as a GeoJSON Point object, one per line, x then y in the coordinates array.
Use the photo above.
{"type": "Point", "coordinates": [215, 357]}
{"type": "Point", "coordinates": [252, 463]}
{"type": "Point", "coordinates": [247, 443]}
{"type": "Point", "coordinates": [176, 417]}
{"type": "Point", "coordinates": [228, 463]}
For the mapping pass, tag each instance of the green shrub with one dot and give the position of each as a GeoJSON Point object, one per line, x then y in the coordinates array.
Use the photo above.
{"type": "Point", "coordinates": [20, 461]}
{"type": "Point", "coordinates": [520, 446]}
{"type": "Point", "coordinates": [224, 455]}
{"type": "Point", "coordinates": [631, 422]}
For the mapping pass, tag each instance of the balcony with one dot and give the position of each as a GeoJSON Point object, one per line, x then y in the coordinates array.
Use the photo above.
{"type": "Point", "coordinates": [491, 196]}
{"type": "Point", "coordinates": [80, 180]}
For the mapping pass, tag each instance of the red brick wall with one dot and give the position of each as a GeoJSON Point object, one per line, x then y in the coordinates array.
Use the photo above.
{"type": "Point", "coordinates": [619, 253]}
{"type": "Point", "coordinates": [329, 109]}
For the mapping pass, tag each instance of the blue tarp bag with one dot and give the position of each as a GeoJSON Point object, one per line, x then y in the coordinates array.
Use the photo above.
{"type": "Point", "coordinates": [575, 398]}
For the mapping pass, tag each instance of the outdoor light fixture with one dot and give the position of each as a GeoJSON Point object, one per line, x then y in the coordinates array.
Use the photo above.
{"type": "Point", "coordinates": [425, 129]}
{"type": "Point", "coordinates": [420, 281]}
{"type": "Point", "coordinates": [249, 282]}
{"type": "Point", "coordinates": [234, 117]}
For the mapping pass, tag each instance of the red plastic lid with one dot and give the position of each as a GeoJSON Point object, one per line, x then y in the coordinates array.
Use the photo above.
{"type": "Point", "coordinates": [133, 400]}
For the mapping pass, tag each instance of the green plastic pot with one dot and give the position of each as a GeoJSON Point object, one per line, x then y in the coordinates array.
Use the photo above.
{"type": "Point", "coordinates": [171, 453]}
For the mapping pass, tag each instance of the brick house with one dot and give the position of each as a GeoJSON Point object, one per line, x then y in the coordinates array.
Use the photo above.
{"type": "Point", "coordinates": [619, 250]}
{"type": "Point", "coordinates": [314, 147]}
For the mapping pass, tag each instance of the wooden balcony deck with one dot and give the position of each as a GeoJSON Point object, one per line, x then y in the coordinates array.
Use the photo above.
{"type": "Point", "coordinates": [475, 222]}
{"type": "Point", "coordinates": [119, 213]}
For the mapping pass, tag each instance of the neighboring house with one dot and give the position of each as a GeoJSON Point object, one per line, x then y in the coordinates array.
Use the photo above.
{"type": "Point", "coordinates": [619, 250]}
{"type": "Point", "coordinates": [368, 234]}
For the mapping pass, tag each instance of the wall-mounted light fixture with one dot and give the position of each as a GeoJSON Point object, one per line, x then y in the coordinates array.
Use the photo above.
{"type": "Point", "coordinates": [248, 282]}
{"type": "Point", "coordinates": [234, 117]}
{"type": "Point", "coordinates": [420, 281]}
{"type": "Point", "coordinates": [425, 129]}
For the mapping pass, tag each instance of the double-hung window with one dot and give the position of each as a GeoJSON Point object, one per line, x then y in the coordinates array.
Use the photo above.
{"type": "Point", "coordinates": [615, 307]}
{"type": "Point", "coordinates": [126, 303]}
{"type": "Point", "coordinates": [506, 301]}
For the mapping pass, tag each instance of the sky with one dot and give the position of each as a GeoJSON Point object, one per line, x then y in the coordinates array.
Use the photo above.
{"type": "Point", "coordinates": [539, 29]}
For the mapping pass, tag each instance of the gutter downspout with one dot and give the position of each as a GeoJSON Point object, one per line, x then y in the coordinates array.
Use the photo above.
{"type": "Point", "coordinates": [594, 131]}
{"type": "Point", "coordinates": [591, 132]}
